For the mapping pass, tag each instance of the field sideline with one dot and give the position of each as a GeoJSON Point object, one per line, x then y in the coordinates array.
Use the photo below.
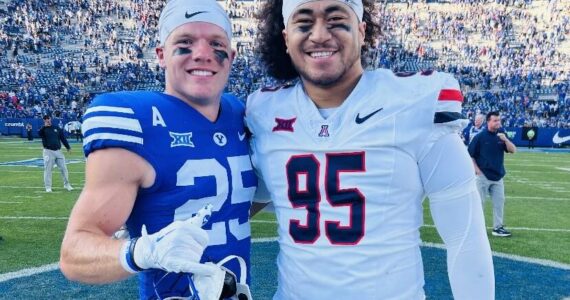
{"type": "Point", "coordinates": [32, 222]}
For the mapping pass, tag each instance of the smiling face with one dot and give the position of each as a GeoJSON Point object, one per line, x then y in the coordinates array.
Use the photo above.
{"type": "Point", "coordinates": [197, 57]}
{"type": "Point", "coordinates": [324, 39]}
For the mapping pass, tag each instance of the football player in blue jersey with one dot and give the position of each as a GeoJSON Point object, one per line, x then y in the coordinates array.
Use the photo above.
{"type": "Point", "coordinates": [173, 166]}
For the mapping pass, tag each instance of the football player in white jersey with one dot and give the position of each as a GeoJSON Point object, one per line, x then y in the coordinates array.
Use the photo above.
{"type": "Point", "coordinates": [348, 156]}
{"type": "Point", "coordinates": [154, 159]}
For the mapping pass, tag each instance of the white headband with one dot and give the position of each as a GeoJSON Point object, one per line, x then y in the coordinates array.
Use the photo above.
{"type": "Point", "coordinates": [180, 12]}
{"type": "Point", "coordinates": [289, 7]}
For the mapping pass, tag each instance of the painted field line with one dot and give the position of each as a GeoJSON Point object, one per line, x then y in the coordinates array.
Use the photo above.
{"type": "Point", "coordinates": [21, 187]}
{"type": "Point", "coordinates": [509, 170]}
{"type": "Point", "coordinates": [19, 148]}
{"type": "Point", "coordinates": [36, 147]}
{"type": "Point", "coordinates": [537, 198]}
{"type": "Point", "coordinates": [28, 272]}
{"type": "Point", "coordinates": [520, 228]}
{"type": "Point", "coordinates": [553, 165]}
{"type": "Point", "coordinates": [538, 162]}
{"type": "Point", "coordinates": [11, 202]}
{"type": "Point", "coordinates": [264, 240]}
{"type": "Point", "coordinates": [538, 261]}
{"type": "Point", "coordinates": [28, 197]}
{"type": "Point", "coordinates": [18, 155]}
{"type": "Point", "coordinates": [54, 266]}
{"type": "Point", "coordinates": [32, 218]}
{"type": "Point", "coordinates": [534, 159]}
{"type": "Point", "coordinates": [263, 221]}
{"type": "Point", "coordinates": [30, 169]}
{"type": "Point", "coordinates": [26, 187]}
{"type": "Point", "coordinates": [544, 186]}
{"type": "Point", "coordinates": [528, 181]}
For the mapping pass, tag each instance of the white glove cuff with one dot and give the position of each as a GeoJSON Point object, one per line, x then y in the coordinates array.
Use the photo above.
{"type": "Point", "coordinates": [126, 257]}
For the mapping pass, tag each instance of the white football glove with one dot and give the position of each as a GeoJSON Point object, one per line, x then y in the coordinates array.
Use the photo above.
{"type": "Point", "coordinates": [177, 247]}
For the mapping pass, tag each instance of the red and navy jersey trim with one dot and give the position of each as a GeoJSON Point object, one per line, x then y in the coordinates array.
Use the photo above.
{"type": "Point", "coordinates": [450, 95]}
{"type": "Point", "coordinates": [447, 116]}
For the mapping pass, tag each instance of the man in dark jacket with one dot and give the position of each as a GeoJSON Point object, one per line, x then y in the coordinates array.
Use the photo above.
{"type": "Point", "coordinates": [52, 137]}
{"type": "Point", "coordinates": [487, 149]}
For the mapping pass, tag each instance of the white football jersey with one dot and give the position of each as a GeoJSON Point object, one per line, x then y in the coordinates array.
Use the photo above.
{"type": "Point", "coordinates": [348, 190]}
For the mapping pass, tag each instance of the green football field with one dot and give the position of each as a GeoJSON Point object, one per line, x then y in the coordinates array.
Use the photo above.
{"type": "Point", "coordinates": [32, 222]}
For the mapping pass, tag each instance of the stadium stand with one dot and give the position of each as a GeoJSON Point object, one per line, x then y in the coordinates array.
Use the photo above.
{"type": "Point", "coordinates": [509, 55]}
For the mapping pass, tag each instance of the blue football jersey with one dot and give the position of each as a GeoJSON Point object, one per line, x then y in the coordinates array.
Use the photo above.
{"type": "Point", "coordinates": [196, 162]}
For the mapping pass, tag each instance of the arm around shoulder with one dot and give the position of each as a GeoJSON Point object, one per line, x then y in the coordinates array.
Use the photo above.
{"type": "Point", "coordinates": [112, 179]}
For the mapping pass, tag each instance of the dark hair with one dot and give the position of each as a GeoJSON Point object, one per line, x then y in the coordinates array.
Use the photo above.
{"type": "Point", "coordinates": [271, 45]}
{"type": "Point", "coordinates": [490, 114]}
{"type": "Point", "coordinates": [47, 117]}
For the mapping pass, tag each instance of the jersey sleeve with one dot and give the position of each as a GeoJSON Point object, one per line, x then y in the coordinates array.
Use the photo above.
{"type": "Point", "coordinates": [448, 177]}
{"type": "Point", "coordinates": [109, 122]}
{"type": "Point", "coordinates": [448, 107]}
{"type": "Point", "coordinates": [448, 117]}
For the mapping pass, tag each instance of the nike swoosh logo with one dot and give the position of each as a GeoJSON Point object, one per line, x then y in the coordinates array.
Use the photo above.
{"type": "Point", "coordinates": [559, 140]}
{"type": "Point", "coordinates": [360, 120]}
{"type": "Point", "coordinates": [188, 16]}
{"type": "Point", "coordinates": [164, 235]}
{"type": "Point", "coordinates": [241, 136]}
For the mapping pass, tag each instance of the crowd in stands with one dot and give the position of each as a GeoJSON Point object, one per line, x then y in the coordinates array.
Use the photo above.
{"type": "Point", "coordinates": [509, 55]}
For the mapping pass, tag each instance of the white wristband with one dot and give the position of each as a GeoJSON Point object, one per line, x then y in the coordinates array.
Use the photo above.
{"type": "Point", "coordinates": [126, 258]}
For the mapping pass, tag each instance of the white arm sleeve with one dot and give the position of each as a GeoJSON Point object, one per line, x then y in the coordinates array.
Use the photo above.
{"type": "Point", "coordinates": [448, 176]}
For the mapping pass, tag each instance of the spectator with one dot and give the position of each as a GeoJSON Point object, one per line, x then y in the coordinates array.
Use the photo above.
{"type": "Point", "coordinates": [52, 138]}
{"type": "Point", "coordinates": [29, 132]}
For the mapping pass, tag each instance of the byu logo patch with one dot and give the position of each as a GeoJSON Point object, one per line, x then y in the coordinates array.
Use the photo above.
{"type": "Point", "coordinates": [220, 139]}
{"type": "Point", "coordinates": [181, 139]}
